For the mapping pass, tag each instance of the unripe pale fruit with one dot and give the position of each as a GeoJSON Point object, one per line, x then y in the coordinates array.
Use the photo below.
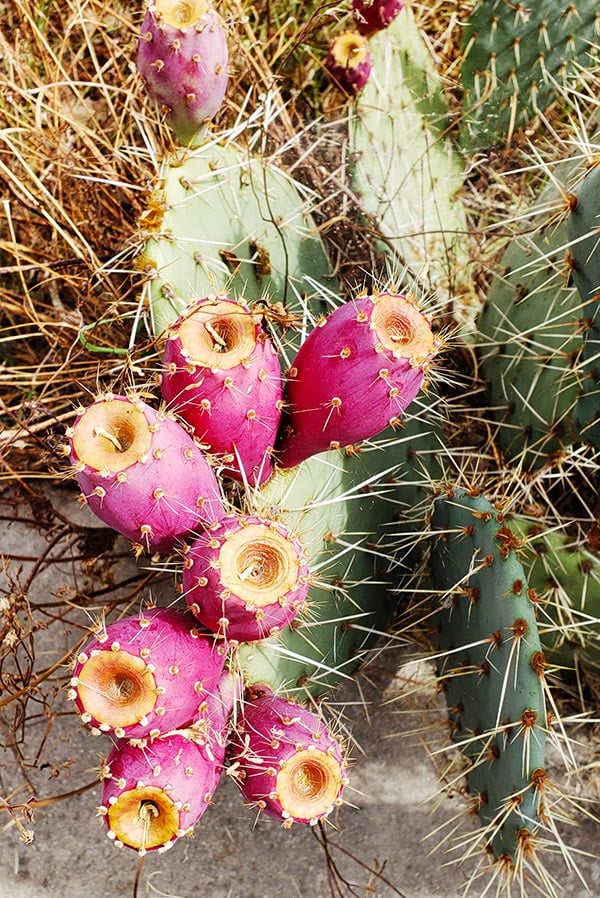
{"type": "Point", "coordinates": [154, 794]}
{"type": "Point", "coordinates": [222, 375]}
{"type": "Point", "coordinates": [354, 375]}
{"type": "Point", "coordinates": [375, 15]}
{"type": "Point", "coordinates": [288, 763]}
{"type": "Point", "coordinates": [183, 59]}
{"type": "Point", "coordinates": [141, 473]}
{"type": "Point", "coordinates": [348, 61]}
{"type": "Point", "coordinates": [147, 674]}
{"type": "Point", "coordinates": [247, 579]}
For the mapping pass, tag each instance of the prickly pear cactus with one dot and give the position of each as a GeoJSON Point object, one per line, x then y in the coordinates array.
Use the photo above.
{"type": "Point", "coordinates": [584, 235]}
{"type": "Point", "coordinates": [222, 220]}
{"type": "Point", "coordinates": [517, 60]}
{"type": "Point", "coordinates": [342, 506]}
{"type": "Point", "coordinates": [406, 173]}
{"type": "Point", "coordinates": [566, 578]}
{"type": "Point", "coordinates": [530, 337]}
{"type": "Point", "coordinates": [491, 667]}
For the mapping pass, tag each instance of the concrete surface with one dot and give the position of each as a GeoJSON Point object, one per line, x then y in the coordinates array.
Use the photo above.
{"type": "Point", "coordinates": [385, 824]}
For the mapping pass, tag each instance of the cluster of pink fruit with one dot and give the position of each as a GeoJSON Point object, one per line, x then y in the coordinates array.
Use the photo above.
{"type": "Point", "coordinates": [159, 686]}
{"type": "Point", "coordinates": [348, 59]}
{"type": "Point", "coordinates": [159, 683]}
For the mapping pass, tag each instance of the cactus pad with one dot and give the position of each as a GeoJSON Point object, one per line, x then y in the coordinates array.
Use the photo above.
{"type": "Point", "coordinates": [490, 666]}
{"type": "Point", "coordinates": [518, 59]}
{"type": "Point", "coordinates": [224, 221]}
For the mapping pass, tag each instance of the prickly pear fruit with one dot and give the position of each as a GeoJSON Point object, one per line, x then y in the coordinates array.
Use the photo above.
{"type": "Point", "coordinates": [355, 373]}
{"type": "Point", "coordinates": [183, 58]}
{"type": "Point", "coordinates": [146, 674]}
{"type": "Point", "coordinates": [222, 375]}
{"type": "Point", "coordinates": [141, 473]}
{"type": "Point", "coordinates": [348, 61]}
{"type": "Point", "coordinates": [288, 763]}
{"type": "Point", "coordinates": [247, 579]}
{"type": "Point", "coordinates": [375, 15]}
{"type": "Point", "coordinates": [154, 794]}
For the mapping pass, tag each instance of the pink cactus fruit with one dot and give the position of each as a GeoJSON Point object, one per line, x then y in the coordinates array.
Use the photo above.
{"type": "Point", "coordinates": [348, 61]}
{"type": "Point", "coordinates": [286, 760]}
{"type": "Point", "coordinates": [141, 473]}
{"type": "Point", "coordinates": [247, 579]}
{"type": "Point", "coordinates": [183, 58]}
{"type": "Point", "coordinates": [222, 375]}
{"type": "Point", "coordinates": [354, 375]}
{"type": "Point", "coordinates": [375, 15]}
{"type": "Point", "coordinates": [154, 794]}
{"type": "Point", "coordinates": [147, 674]}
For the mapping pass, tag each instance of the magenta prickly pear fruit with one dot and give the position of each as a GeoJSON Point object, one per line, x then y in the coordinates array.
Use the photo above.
{"type": "Point", "coordinates": [147, 674]}
{"type": "Point", "coordinates": [222, 375]}
{"type": "Point", "coordinates": [348, 61]}
{"type": "Point", "coordinates": [286, 761]}
{"type": "Point", "coordinates": [141, 473]}
{"type": "Point", "coordinates": [375, 15]}
{"type": "Point", "coordinates": [247, 579]}
{"type": "Point", "coordinates": [183, 58]}
{"type": "Point", "coordinates": [153, 795]}
{"type": "Point", "coordinates": [354, 375]}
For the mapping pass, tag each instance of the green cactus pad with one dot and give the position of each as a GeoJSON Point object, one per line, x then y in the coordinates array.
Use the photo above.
{"type": "Point", "coordinates": [566, 579]}
{"type": "Point", "coordinates": [343, 507]}
{"type": "Point", "coordinates": [517, 60]}
{"type": "Point", "coordinates": [530, 338]}
{"type": "Point", "coordinates": [584, 234]}
{"type": "Point", "coordinates": [224, 221]}
{"type": "Point", "coordinates": [491, 666]}
{"type": "Point", "coordinates": [405, 172]}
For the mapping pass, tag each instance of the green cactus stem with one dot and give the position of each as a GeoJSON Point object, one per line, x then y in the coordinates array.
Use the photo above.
{"type": "Point", "coordinates": [518, 59]}
{"type": "Point", "coordinates": [530, 337]}
{"type": "Point", "coordinates": [566, 578]}
{"type": "Point", "coordinates": [222, 220]}
{"type": "Point", "coordinates": [584, 234]}
{"type": "Point", "coordinates": [491, 667]}
{"type": "Point", "coordinates": [352, 511]}
{"type": "Point", "coordinates": [405, 172]}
